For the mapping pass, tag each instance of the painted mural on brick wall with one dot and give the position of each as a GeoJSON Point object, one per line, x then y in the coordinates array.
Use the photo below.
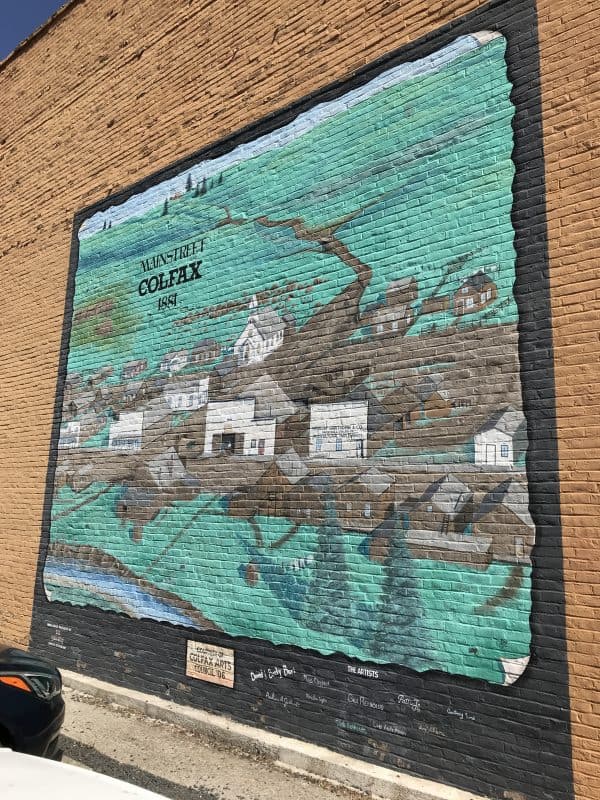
{"type": "Point", "coordinates": [292, 409]}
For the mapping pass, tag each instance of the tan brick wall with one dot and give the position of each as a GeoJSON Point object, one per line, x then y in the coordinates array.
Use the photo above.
{"type": "Point", "coordinates": [571, 105]}
{"type": "Point", "coordinates": [115, 90]}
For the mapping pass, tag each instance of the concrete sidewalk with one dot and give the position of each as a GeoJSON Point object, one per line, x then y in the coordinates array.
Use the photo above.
{"type": "Point", "coordinates": [186, 753]}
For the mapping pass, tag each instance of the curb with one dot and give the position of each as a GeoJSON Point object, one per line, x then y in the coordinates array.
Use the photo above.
{"type": "Point", "coordinates": [293, 755]}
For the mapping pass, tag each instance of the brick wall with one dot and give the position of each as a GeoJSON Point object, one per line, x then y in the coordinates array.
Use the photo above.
{"type": "Point", "coordinates": [570, 105]}
{"type": "Point", "coordinates": [109, 93]}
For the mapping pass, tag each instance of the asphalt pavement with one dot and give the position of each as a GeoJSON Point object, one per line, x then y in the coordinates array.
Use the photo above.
{"type": "Point", "coordinates": [172, 761]}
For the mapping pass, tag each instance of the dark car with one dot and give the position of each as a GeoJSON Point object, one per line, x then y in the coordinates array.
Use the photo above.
{"type": "Point", "coordinates": [31, 705]}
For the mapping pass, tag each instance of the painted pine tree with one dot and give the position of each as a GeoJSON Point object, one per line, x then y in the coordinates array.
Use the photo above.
{"type": "Point", "coordinates": [328, 606]}
{"type": "Point", "coordinates": [399, 635]}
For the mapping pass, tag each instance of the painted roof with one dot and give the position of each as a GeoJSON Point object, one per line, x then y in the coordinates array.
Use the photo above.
{"type": "Point", "coordinates": [510, 494]}
{"type": "Point", "coordinates": [478, 279]}
{"type": "Point", "coordinates": [271, 400]}
{"type": "Point", "coordinates": [292, 466]}
{"type": "Point", "coordinates": [506, 420]}
{"type": "Point", "coordinates": [375, 481]}
{"type": "Point", "coordinates": [267, 322]}
{"type": "Point", "coordinates": [448, 494]}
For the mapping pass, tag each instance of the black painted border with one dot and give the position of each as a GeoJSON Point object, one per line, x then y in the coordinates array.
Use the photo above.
{"type": "Point", "coordinates": [520, 738]}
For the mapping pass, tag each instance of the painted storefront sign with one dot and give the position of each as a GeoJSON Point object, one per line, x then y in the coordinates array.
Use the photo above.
{"type": "Point", "coordinates": [292, 408]}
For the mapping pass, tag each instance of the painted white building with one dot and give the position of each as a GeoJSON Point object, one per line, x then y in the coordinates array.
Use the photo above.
{"type": "Point", "coordinates": [69, 435]}
{"type": "Point", "coordinates": [231, 428]}
{"type": "Point", "coordinates": [126, 432]}
{"type": "Point", "coordinates": [339, 430]}
{"type": "Point", "coordinates": [187, 395]}
{"type": "Point", "coordinates": [174, 362]}
{"type": "Point", "coordinates": [262, 335]}
{"type": "Point", "coordinates": [502, 440]}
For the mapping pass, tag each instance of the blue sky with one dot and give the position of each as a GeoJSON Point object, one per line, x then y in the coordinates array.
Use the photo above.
{"type": "Point", "coordinates": [20, 18]}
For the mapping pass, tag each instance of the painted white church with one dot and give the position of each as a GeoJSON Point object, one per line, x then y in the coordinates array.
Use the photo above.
{"type": "Point", "coordinates": [262, 335]}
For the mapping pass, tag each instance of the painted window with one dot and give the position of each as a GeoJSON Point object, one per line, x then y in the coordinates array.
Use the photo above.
{"type": "Point", "coordinates": [469, 302]}
{"type": "Point", "coordinates": [395, 325]}
{"type": "Point", "coordinates": [253, 443]}
{"type": "Point", "coordinates": [338, 445]}
{"type": "Point", "coordinates": [504, 450]}
{"type": "Point", "coordinates": [367, 510]}
{"type": "Point", "coordinates": [380, 328]}
{"type": "Point", "coordinates": [318, 443]}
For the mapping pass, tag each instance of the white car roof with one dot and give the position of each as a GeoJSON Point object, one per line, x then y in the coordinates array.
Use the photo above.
{"type": "Point", "coordinates": [25, 777]}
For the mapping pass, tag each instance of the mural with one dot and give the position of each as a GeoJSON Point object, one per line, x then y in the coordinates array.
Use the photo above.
{"type": "Point", "coordinates": [292, 409]}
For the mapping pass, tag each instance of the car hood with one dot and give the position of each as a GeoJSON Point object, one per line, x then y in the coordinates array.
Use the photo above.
{"type": "Point", "coordinates": [29, 778]}
{"type": "Point", "coordinates": [14, 659]}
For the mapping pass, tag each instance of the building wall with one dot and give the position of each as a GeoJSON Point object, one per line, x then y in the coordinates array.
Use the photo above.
{"type": "Point", "coordinates": [106, 95]}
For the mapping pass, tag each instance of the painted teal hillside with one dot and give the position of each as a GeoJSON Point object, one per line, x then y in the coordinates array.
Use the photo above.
{"type": "Point", "coordinates": [389, 163]}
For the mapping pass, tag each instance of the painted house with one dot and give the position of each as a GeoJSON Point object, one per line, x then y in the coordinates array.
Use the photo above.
{"type": "Point", "coordinates": [433, 305]}
{"type": "Point", "coordinates": [76, 405]}
{"type": "Point", "coordinates": [133, 368]}
{"type": "Point", "coordinates": [126, 432]}
{"type": "Point", "coordinates": [365, 499]}
{"type": "Point", "coordinates": [477, 292]}
{"type": "Point", "coordinates": [339, 430]}
{"type": "Point", "coordinates": [205, 350]}
{"type": "Point", "coordinates": [232, 429]}
{"type": "Point", "coordinates": [187, 395]}
{"type": "Point", "coordinates": [271, 400]}
{"type": "Point", "coordinates": [105, 397]}
{"type": "Point", "coordinates": [502, 441]}
{"type": "Point", "coordinates": [73, 380]}
{"type": "Point", "coordinates": [133, 392]}
{"type": "Point", "coordinates": [391, 320]}
{"type": "Point", "coordinates": [441, 525]}
{"type": "Point", "coordinates": [404, 407]}
{"type": "Point", "coordinates": [434, 401]}
{"type": "Point", "coordinates": [503, 516]}
{"type": "Point", "coordinates": [262, 335]}
{"type": "Point", "coordinates": [174, 361]}
{"type": "Point", "coordinates": [402, 291]}
{"type": "Point", "coordinates": [283, 490]}
{"type": "Point", "coordinates": [69, 435]}
{"type": "Point", "coordinates": [445, 507]}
